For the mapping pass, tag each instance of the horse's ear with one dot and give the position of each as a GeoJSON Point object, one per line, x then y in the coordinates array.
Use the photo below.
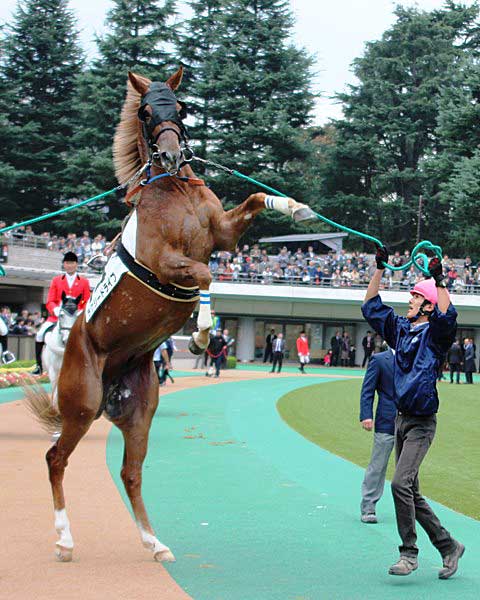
{"type": "Point", "coordinates": [78, 298]}
{"type": "Point", "coordinates": [174, 81]}
{"type": "Point", "coordinates": [140, 84]}
{"type": "Point", "coordinates": [64, 295]}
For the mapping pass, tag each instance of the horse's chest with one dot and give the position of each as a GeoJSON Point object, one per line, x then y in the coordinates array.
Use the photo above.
{"type": "Point", "coordinates": [192, 234]}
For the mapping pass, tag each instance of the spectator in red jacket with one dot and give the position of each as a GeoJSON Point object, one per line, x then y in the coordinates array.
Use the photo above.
{"type": "Point", "coordinates": [303, 351]}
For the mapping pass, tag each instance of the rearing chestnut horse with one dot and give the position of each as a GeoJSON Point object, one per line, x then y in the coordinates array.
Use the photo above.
{"type": "Point", "coordinates": [171, 232]}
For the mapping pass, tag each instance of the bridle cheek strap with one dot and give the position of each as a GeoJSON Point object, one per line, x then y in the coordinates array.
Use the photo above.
{"type": "Point", "coordinates": [163, 130]}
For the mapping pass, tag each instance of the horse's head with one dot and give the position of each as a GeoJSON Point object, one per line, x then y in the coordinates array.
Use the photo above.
{"type": "Point", "coordinates": [161, 114]}
{"type": "Point", "coordinates": [67, 315]}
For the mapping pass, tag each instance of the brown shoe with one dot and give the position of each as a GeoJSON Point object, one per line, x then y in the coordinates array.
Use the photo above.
{"type": "Point", "coordinates": [404, 566]}
{"type": "Point", "coordinates": [450, 562]}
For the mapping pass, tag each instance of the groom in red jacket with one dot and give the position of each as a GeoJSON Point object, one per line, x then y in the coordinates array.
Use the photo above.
{"type": "Point", "coordinates": [73, 285]}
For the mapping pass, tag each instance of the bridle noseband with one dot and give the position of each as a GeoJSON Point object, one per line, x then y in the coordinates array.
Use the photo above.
{"type": "Point", "coordinates": [163, 107]}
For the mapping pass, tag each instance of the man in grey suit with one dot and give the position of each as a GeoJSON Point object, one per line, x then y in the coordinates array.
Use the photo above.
{"type": "Point", "coordinates": [278, 347]}
{"type": "Point", "coordinates": [379, 378]}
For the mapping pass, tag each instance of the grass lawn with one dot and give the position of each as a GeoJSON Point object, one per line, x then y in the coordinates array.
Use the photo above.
{"type": "Point", "coordinates": [327, 415]}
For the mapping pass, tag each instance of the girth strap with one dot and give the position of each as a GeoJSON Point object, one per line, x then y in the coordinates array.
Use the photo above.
{"type": "Point", "coordinates": [146, 276]}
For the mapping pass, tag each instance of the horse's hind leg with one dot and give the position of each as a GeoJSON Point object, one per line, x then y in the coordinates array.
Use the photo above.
{"type": "Point", "coordinates": [135, 434]}
{"type": "Point", "coordinates": [80, 395]}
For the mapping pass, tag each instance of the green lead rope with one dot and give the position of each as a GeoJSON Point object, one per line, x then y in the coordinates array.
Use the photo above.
{"type": "Point", "coordinates": [55, 214]}
{"type": "Point", "coordinates": [418, 259]}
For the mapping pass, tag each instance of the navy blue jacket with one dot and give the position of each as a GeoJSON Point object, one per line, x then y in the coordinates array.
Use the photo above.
{"type": "Point", "coordinates": [379, 377]}
{"type": "Point", "coordinates": [419, 352]}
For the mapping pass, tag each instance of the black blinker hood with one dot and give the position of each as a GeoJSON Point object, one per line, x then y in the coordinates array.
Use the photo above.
{"type": "Point", "coordinates": [163, 104]}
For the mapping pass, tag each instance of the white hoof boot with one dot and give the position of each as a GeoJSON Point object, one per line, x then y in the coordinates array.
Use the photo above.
{"type": "Point", "coordinates": [203, 341]}
{"type": "Point", "coordinates": [161, 553]}
{"type": "Point", "coordinates": [64, 546]}
{"type": "Point", "coordinates": [63, 554]}
{"type": "Point", "coordinates": [164, 556]}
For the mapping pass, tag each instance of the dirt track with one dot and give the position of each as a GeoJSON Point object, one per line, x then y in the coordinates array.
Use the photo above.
{"type": "Point", "coordinates": [109, 561]}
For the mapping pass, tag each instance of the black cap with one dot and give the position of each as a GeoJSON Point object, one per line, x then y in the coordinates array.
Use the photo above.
{"type": "Point", "coordinates": [70, 256]}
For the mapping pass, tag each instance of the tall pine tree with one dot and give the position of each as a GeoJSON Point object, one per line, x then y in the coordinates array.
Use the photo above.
{"type": "Point", "coordinates": [139, 38]}
{"type": "Point", "coordinates": [40, 64]}
{"type": "Point", "coordinates": [379, 165]}
{"type": "Point", "coordinates": [454, 167]}
{"type": "Point", "coordinates": [199, 39]}
{"type": "Point", "coordinates": [252, 94]}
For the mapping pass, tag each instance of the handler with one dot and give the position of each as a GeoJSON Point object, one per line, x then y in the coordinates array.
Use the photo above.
{"type": "Point", "coordinates": [421, 341]}
{"type": "Point", "coordinates": [70, 283]}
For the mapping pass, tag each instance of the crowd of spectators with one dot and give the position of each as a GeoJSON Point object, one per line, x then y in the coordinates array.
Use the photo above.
{"type": "Point", "coordinates": [23, 323]}
{"type": "Point", "coordinates": [84, 246]}
{"type": "Point", "coordinates": [251, 264]}
{"type": "Point", "coordinates": [335, 269]}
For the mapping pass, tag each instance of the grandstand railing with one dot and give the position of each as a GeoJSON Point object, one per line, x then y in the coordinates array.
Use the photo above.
{"type": "Point", "coordinates": [327, 282]}
{"type": "Point", "coordinates": [27, 241]}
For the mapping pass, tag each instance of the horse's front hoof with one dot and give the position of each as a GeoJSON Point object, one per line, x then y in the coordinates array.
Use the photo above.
{"type": "Point", "coordinates": [63, 554]}
{"type": "Point", "coordinates": [194, 348]}
{"type": "Point", "coordinates": [304, 213]}
{"type": "Point", "coordinates": [164, 556]}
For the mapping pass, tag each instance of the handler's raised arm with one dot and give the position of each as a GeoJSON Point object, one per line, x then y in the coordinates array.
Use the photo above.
{"type": "Point", "coordinates": [380, 257]}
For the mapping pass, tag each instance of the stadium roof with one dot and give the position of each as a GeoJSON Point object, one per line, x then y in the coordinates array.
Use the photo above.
{"type": "Point", "coordinates": [332, 240]}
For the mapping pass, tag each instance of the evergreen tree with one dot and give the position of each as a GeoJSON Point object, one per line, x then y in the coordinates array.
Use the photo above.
{"type": "Point", "coordinates": [251, 92]}
{"type": "Point", "coordinates": [458, 134]}
{"type": "Point", "coordinates": [379, 165]}
{"type": "Point", "coordinates": [199, 39]}
{"type": "Point", "coordinates": [463, 191]}
{"type": "Point", "coordinates": [138, 39]}
{"type": "Point", "coordinates": [41, 61]}
{"type": "Point", "coordinates": [8, 173]}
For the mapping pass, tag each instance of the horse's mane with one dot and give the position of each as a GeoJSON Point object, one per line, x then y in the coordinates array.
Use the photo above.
{"type": "Point", "coordinates": [126, 156]}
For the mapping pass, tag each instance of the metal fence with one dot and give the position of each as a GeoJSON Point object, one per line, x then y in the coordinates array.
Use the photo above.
{"type": "Point", "coordinates": [326, 282]}
{"type": "Point", "coordinates": [26, 240]}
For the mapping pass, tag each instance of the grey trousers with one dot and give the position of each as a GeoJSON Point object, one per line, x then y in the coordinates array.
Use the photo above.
{"type": "Point", "coordinates": [374, 480]}
{"type": "Point", "coordinates": [413, 437]}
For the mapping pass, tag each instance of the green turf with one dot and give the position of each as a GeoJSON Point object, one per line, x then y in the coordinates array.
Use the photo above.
{"type": "Point", "coordinates": [328, 416]}
{"type": "Point", "coordinates": [314, 369]}
{"type": "Point", "coordinates": [254, 511]}
{"type": "Point", "coordinates": [12, 394]}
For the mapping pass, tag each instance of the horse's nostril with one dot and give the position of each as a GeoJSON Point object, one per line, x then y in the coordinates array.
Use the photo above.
{"type": "Point", "coordinates": [169, 160]}
{"type": "Point", "coordinates": [168, 157]}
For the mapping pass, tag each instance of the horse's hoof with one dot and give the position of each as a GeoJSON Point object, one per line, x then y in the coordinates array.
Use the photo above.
{"type": "Point", "coordinates": [164, 556]}
{"type": "Point", "coordinates": [305, 213]}
{"type": "Point", "coordinates": [194, 348]}
{"type": "Point", "coordinates": [63, 554]}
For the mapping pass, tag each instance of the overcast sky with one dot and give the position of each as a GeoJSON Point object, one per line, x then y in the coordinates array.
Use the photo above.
{"type": "Point", "coordinates": [335, 31]}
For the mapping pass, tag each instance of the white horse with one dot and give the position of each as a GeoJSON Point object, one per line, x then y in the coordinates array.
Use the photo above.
{"type": "Point", "coordinates": [56, 340]}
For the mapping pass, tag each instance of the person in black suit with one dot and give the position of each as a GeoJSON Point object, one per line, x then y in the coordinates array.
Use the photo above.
{"type": "Point", "coordinates": [267, 355]}
{"type": "Point", "coordinates": [368, 346]}
{"type": "Point", "coordinates": [455, 359]}
{"type": "Point", "coordinates": [278, 351]}
{"type": "Point", "coordinates": [336, 345]}
{"type": "Point", "coordinates": [378, 378]}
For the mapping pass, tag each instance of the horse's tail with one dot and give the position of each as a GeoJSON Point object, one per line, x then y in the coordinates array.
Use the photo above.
{"type": "Point", "coordinates": [39, 403]}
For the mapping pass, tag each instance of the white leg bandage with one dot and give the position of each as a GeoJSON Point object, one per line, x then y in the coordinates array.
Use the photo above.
{"type": "Point", "coordinates": [62, 526]}
{"type": "Point", "coordinates": [150, 541]}
{"type": "Point", "coordinates": [283, 205]}
{"type": "Point", "coordinates": [204, 320]}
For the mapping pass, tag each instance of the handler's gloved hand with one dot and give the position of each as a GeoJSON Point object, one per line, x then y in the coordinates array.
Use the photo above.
{"type": "Point", "coordinates": [381, 257]}
{"type": "Point", "coordinates": [435, 269]}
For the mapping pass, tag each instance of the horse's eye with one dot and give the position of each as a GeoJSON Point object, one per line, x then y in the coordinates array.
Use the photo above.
{"type": "Point", "coordinates": [182, 113]}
